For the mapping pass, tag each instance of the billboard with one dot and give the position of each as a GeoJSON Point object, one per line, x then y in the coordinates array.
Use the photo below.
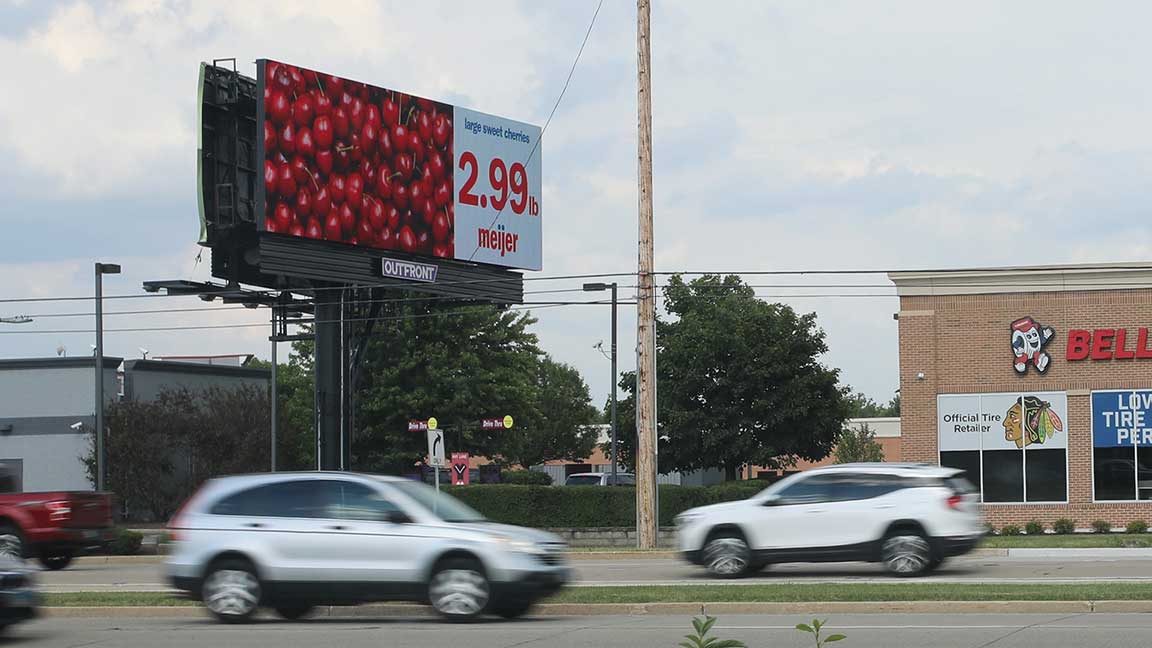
{"type": "Point", "coordinates": [363, 165]}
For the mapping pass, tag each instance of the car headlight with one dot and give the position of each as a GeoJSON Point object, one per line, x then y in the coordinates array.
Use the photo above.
{"type": "Point", "coordinates": [517, 545]}
{"type": "Point", "coordinates": [684, 519]}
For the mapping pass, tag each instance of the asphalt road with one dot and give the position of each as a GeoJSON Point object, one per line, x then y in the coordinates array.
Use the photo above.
{"type": "Point", "coordinates": [863, 631]}
{"type": "Point", "coordinates": [94, 574]}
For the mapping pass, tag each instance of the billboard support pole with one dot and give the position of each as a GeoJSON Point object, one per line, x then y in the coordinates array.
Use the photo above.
{"type": "Point", "coordinates": [274, 391]}
{"type": "Point", "coordinates": [328, 373]}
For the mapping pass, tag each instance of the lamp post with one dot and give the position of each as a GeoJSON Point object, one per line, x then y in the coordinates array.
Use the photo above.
{"type": "Point", "coordinates": [600, 287]}
{"type": "Point", "coordinates": [101, 270]}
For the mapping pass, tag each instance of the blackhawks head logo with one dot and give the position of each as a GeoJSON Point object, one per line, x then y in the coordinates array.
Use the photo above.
{"type": "Point", "coordinates": [1031, 421]}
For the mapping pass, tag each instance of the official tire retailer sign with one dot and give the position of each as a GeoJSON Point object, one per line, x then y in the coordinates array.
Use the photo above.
{"type": "Point", "coordinates": [408, 270]}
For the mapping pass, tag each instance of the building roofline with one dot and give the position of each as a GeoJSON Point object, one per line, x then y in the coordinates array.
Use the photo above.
{"type": "Point", "coordinates": [172, 366]}
{"type": "Point", "coordinates": [59, 362]}
{"type": "Point", "coordinates": [1023, 279]}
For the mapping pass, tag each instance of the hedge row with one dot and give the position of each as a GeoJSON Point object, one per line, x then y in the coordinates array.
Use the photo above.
{"type": "Point", "coordinates": [589, 506]}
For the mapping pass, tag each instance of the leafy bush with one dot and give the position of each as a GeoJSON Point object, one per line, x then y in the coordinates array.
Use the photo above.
{"type": "Point", "coordinates": [1035, 527]}
{"type": "Point", "coordinates": [126, 543]}
{"type": "Point", "coordinates": [991, 530]}
{"type": "Point", "coordinates": [526, 478]}
{"type": "Point", "coordinates": [1102, 526]}
{"type": "Point", "coordinates": [702, 625]}
{"type": "Point", "coordinates": [587, 506]}
{"type": "Point", "coordinates": [1137, 526]}
{"type": "Point", "coordinates": [1064, 526]}
{"type": "Point", "coordinates": [1010, 530]}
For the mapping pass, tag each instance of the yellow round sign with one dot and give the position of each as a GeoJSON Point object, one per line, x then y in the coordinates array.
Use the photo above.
{"type": "Point", "coordinates": [508, 422]}
{"type": "Point", "coordinates": [432, 423]}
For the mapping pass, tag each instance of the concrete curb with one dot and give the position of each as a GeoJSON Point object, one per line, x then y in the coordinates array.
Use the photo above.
{"type": "Point", "coordinates": [641, 609]}
{"type": "Point", "coordinates": [575, 556]}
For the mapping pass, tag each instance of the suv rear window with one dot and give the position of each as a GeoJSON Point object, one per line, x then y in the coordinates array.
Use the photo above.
{"type": "Point", "coordinates": [959, 485]}
{"type": "Point", "coordinates": [583, 480]}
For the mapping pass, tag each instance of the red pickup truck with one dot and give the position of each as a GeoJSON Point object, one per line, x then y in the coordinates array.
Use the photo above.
{"type": "Point", "coordinates": [54, 526]}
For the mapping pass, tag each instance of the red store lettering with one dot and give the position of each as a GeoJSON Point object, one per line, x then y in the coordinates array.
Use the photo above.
{"type": "Point", "coordinates": [1106, 344]}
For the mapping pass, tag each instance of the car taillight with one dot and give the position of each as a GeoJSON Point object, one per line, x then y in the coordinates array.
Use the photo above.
{"type": "Point", "coordinates": [955, 501]}
{"type": "Point", "coordinates": [174, 525]}
{"type": "Point", "coordinates": [59, 511]}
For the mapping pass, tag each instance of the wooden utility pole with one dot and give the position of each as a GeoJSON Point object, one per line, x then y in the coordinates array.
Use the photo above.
{"type": "Point", "coordinates": [646, 514]}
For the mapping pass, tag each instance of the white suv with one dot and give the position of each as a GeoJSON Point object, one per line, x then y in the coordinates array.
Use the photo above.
{"type": "Point", "coordinates": [910, 517]}
{"type": "Point", "coordinates": [293, 541]}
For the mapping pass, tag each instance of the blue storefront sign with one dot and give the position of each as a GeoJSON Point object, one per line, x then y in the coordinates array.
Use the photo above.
{"type": "Point", "coordinates": [1122, 418]}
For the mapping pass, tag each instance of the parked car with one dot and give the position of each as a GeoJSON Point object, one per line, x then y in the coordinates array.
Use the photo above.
{"type": "Point", "coordinates": [292, 541]}
{"type": "Point", "coordinates": [54, 526]}
{"type": "Point", "coordinates": [600, 479]}
{"type": "Point", "coordinates": [18, 595]}
{"type": "Point", "coordinates": [910, 517]}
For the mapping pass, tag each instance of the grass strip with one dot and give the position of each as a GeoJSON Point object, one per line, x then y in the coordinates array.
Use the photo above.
{"type": "Point", "coordinates": [114, 599]}
{"type": "Point", "coordinates": [1077, 541]}
{"type": "Point", "coordinates": [768, 593]}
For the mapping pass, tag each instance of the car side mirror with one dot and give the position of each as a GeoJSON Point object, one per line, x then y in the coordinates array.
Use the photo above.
{"type": "Point", "coordinates": [771, 501]}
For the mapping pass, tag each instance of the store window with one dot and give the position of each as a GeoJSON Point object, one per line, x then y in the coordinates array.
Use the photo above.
{"type": "Point", "coordinates": [1122, 445]}
{"type": "Point", "coordinates": [1013, 447]}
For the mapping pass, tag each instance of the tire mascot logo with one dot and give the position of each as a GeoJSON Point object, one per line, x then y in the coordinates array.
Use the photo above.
{"type": "Point", "coordinates": [1029, 338]}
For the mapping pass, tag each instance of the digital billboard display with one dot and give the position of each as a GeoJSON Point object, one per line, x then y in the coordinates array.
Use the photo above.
{"type": "Point", "coordinates": [364, 165]}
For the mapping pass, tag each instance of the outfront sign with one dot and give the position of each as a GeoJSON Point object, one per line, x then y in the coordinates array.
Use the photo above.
{"type": "Point", "coordinates": [1122, 418]}
{"type": "Point", "coordinates": [408, 270]}
{"type": "Point", "coordinates": [363, 165]}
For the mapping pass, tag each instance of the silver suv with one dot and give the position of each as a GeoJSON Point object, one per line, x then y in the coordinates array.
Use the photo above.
{"type": "Point", "coordinates": [293, 541]}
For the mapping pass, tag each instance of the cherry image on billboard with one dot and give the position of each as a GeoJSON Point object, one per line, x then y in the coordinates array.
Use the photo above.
{"type": "Point", "coordinates": [357, 164]}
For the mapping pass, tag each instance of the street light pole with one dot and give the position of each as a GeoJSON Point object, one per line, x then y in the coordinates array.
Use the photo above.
{"type": "Point", "coordinates": [599, 287]}
{"type": "Point", "coordinates": [615, 459]}
{"type": "Point", "coordinates": [101, 270]}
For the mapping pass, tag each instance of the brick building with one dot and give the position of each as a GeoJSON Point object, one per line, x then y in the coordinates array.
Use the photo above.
{"type": "Point", "coordinates": [1038, 382]}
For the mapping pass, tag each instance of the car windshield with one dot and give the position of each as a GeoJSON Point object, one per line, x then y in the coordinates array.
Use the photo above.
{"type": "Point", "coordinates": [442, 505]}
{"type": "Point", "coordinates": [583, 480]}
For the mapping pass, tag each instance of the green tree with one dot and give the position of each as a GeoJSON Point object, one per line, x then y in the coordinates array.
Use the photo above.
{"type": "Point", "coordinates": [563, 415]}
{"type": "Point", "coordinates": [296, 438]}
{"type": "Point", "coordinates": [740, 382]}
{"type": "Point", "coordinates": [858, 443]}
{"type": "Point", "coordinates": [159, 451]}
{"type": "Point", "coordinates": [861, 405]}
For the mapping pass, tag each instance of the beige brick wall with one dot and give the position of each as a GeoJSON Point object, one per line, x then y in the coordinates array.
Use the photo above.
{"type": "Point", "coordinates": [961, 343]}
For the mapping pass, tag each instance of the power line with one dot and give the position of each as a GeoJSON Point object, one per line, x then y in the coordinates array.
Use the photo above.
{"type": "Point", "coordinates": [268, 291]}
{"type": "Point", "coordinates": [548, 121]}
{"type": "Point", "coordinates": [1076, 282]}
{"type": "Point", "coordinates": [240, 307]}
{"type": "Point", "coordinates": [528, 306]}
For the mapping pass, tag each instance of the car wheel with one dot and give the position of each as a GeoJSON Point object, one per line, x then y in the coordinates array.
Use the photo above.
{"type": "Point", "coordinates": [906, 553]}
{"type": "Point", "coordinates": [727, 555]}
{"type": "Point", "coordinates": [294, 612]}
{"type": "Point", "coordinates": [512, 609]}
{"type": "Point", "coordinates": [232, 591]}
{"type": "Point", "coordinates": [11, 542]}
{"type": "Point", "coordinates": [459, 590]}
{"type": "Point", "coordinates": [56, 561]}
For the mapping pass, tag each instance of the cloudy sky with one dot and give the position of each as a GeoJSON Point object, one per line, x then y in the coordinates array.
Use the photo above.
{"type": "Point", "coordinates": [788, 136]}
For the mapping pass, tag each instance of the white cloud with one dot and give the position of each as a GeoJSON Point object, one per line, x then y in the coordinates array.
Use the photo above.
{"type": "Point", "coordinates": [840, 135]}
